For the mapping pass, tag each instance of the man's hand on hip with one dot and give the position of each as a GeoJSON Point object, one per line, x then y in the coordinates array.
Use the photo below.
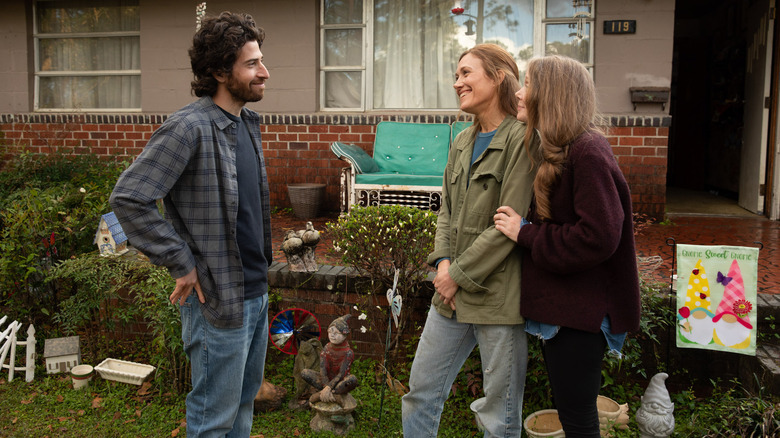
{"type": "Point", "coordinates": [184, 287]}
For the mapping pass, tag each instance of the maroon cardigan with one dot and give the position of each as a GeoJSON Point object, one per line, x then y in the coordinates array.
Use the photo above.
{"type": "Point", "coordinates": [581, 265]}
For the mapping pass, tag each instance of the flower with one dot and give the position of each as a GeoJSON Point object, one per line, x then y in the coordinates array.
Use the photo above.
{"type": "Point", "coordinates": [742, 307]}
{"type": "Point", "coordinates": [362, 315]}
{"type": "Point", "coordinates": [363, 329]}
{"type": "Point", "coordinates": [83, 190]}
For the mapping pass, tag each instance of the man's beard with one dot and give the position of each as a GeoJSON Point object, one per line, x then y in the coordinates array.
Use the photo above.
{"type": "Point", "coordinates": [242, 92]}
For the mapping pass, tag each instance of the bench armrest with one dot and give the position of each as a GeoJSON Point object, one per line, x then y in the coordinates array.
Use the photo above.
{"type": "Point", "coordinates": [358, 159]}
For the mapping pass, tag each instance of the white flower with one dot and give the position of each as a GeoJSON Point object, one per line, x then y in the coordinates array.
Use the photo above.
{"type": "Point", "coordinates": [83, 190]}
{"type": "Point", "coordinates": [362, 315]}
{"type": "Point", "coordinates": [363, 329]}
{"type": "Point", "coordinates": [355, 307]}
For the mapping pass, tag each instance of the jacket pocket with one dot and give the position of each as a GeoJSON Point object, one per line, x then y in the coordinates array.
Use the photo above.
{"type": "Point", "coordinates": [482, 199]}
{"type": "Point", "coordinates": [495, 290]}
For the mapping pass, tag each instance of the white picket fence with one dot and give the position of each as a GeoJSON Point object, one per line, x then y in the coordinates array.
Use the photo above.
{"type": "Point", "coordinates": [8, 348]}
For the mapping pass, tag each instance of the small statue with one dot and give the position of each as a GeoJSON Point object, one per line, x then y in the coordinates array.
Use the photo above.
{"type": "Point", "coordinates": [655, 416]}
{"type": "Point", "coordinates": [334, 379]}
{"type": "Point", "coordinates": [308, 357]}
{"type": "Point", "coordinates": [299, 246]}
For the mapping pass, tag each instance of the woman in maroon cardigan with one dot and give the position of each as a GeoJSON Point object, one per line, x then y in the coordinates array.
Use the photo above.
{"type": "Point", "coordinates": [580, 283]}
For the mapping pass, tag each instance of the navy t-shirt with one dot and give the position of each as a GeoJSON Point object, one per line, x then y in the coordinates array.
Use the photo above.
{"type": "Point", "coordinates": [249, 224]}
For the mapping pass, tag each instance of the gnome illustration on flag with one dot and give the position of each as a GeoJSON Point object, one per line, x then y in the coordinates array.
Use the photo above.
{"type": "Point", "coordinates": [732, 322]}
{"type": "Point", "coordinates": [695, 317]}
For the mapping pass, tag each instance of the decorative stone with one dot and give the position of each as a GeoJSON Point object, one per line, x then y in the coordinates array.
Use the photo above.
{"type": "Point", "coordinates": [333, 417]}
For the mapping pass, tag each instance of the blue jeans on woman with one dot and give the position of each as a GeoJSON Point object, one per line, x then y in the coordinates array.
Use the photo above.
{"type": "Point", "coordinates": [444, 346]}
{"type": "Point", "coordinates": [227, 369]}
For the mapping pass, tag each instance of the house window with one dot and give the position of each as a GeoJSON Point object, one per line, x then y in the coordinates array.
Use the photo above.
{"type": "Point", "coordinates": [402, 54]}
{"type": "Point", "coordinates": [87, 55]}
{"type": "Point", "coordinates": [568, 29]}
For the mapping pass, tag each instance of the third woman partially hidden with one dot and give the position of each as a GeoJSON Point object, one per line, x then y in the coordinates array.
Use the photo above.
{"type": "Point", "coordinates": [579, 278]}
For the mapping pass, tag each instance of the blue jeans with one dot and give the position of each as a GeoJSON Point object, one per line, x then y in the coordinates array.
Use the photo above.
{"type": "Point", "coordinates": [444, 346]}
{"type": "Point", "coordinates": [227, 369]}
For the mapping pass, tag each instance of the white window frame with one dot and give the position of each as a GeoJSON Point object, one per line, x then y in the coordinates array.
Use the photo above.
{"type": "Point", "coordinates": [37, 37]}
{"type": "Point", "coordinates": [540, 30]}
{"type": "Point", "coordinates": [367, 67]}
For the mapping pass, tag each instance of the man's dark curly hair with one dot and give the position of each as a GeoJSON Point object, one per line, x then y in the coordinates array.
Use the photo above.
{"type": "Point", "coordinates": [215, 48]}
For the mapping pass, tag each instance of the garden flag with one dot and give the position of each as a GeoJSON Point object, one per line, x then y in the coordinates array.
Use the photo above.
{"type": "Point", "coordinates": [716, 298]}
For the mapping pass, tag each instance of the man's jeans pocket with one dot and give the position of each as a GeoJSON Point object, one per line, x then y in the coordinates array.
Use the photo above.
{"type": "Point", "coordinates": [186, 322]}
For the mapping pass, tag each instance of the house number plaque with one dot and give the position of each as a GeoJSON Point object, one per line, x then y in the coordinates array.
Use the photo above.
{"type": "Point", "coordinates": [619, 26]}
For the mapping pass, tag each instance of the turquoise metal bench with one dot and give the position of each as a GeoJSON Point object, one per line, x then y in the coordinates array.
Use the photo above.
{"type": "Point", "coordinates": [407, 166]}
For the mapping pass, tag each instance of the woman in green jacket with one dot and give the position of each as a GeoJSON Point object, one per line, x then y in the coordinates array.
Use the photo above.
{"type": "Point", "coordinates": [477, 299]}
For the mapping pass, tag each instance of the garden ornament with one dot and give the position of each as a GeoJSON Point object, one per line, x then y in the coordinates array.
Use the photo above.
{"type": "Point", "coordinates": [299, 246]}
{"type": "Point", "coordinates": [332, 402]}
{"type": "Point", "coordinates": [655, 416]}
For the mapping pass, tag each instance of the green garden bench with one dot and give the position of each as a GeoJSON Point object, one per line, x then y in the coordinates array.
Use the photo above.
{"type": "Point", "coordinates": [407, 166]}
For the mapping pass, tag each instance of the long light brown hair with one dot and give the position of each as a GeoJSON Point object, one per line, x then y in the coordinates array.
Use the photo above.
{"type": "Point", "coordinates": [496, 59]}
{"type": "Point", "coordinates": [561, 105]}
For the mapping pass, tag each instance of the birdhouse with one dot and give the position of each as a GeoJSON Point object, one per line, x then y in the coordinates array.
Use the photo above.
{"type": "Point", "coordinates": [61, 354]}
{"type": "Point", "coordinates": [110, 238]}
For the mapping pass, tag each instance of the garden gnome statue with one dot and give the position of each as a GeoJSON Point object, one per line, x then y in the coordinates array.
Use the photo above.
{"type": "Point", "coordinates": [332, 402]}
{"type": "Point", "coordinates": [655, 416]}
{"type": "Point", "coordinates": [299, 246]}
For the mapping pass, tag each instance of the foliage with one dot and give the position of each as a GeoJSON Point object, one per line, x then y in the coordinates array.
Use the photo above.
{"type": "Point", "coordinates": [377, 240]}
{"type": "Point", "coordinates": [642, 348]}
{"type": "Point", "coordinates": [49, 211]}
{"type": "Point", "coordinates": [111, 294]}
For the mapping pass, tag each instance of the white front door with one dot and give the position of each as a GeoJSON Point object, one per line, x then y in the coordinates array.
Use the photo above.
{"type": "Point", "coordinates": [752, 172]}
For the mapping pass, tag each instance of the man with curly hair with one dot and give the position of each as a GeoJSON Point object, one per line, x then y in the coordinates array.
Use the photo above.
{"type": "Point", "coordinates": [206, 163]}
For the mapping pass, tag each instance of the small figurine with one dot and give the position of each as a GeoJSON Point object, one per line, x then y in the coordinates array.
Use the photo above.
{"type": "Point", "coordinates": [334, 379]}
{"type": "Point", "coordinates": [655, 416]}
{"type": "Point", "coordinates": [299, 248]}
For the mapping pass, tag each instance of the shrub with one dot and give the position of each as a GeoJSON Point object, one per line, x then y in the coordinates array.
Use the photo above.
{"type": "Point", "coordinates": [49, 211]}
{"type": "Point", "coordinates": [376, 241]}
{"type": "Point", "coordinates": [112, 293]}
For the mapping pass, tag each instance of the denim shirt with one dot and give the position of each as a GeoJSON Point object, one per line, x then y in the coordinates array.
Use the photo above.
{"type": "Point", "coordinates": [190, 163]}
{"type": "Point", "coordinates": [546, 332]}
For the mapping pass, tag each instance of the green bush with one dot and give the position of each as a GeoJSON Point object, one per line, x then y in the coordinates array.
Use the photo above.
{"type": "Point", "coordinates": [49, 211]}
{"type": "Point", "coordinates": [111, 294]}
{"type": "Point", "coordinates": [376, 241]}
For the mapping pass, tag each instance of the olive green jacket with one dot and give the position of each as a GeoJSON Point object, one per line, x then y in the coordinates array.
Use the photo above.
{"type": "Point", "coordinates": [484, 262]}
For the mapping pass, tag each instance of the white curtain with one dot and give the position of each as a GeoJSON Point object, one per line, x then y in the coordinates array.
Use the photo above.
{"type": "Point", "coordinates": [85, 54]}
{"type": "Point", "coordinates": [417, 44]}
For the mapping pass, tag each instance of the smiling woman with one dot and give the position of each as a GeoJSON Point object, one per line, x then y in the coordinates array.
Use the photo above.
{"type": "Point", "coordinates": [478, 272]}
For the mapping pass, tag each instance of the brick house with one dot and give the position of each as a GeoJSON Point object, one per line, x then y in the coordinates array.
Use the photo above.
{"type": "Point", "coordinates": [687, 88]}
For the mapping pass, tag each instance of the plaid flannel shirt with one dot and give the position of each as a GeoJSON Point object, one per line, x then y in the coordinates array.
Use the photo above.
{"type": "Point", "coordinates": [190, 163]}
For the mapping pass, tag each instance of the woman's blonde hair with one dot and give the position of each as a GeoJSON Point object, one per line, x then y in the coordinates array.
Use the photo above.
{"type": "Point", "coordinates": [561, 104]}
{"type": "Point", "coordinates": [496, 59]}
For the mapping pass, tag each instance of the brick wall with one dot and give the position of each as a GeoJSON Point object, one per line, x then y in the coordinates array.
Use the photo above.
{"type": "Point", "coordinates": [297, 147]}
{"type": "Point", "coordinates": [334, 291]}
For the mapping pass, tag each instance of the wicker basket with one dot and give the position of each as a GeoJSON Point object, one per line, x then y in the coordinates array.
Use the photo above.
{"type": "Point", "coordinates": [306, 199]}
